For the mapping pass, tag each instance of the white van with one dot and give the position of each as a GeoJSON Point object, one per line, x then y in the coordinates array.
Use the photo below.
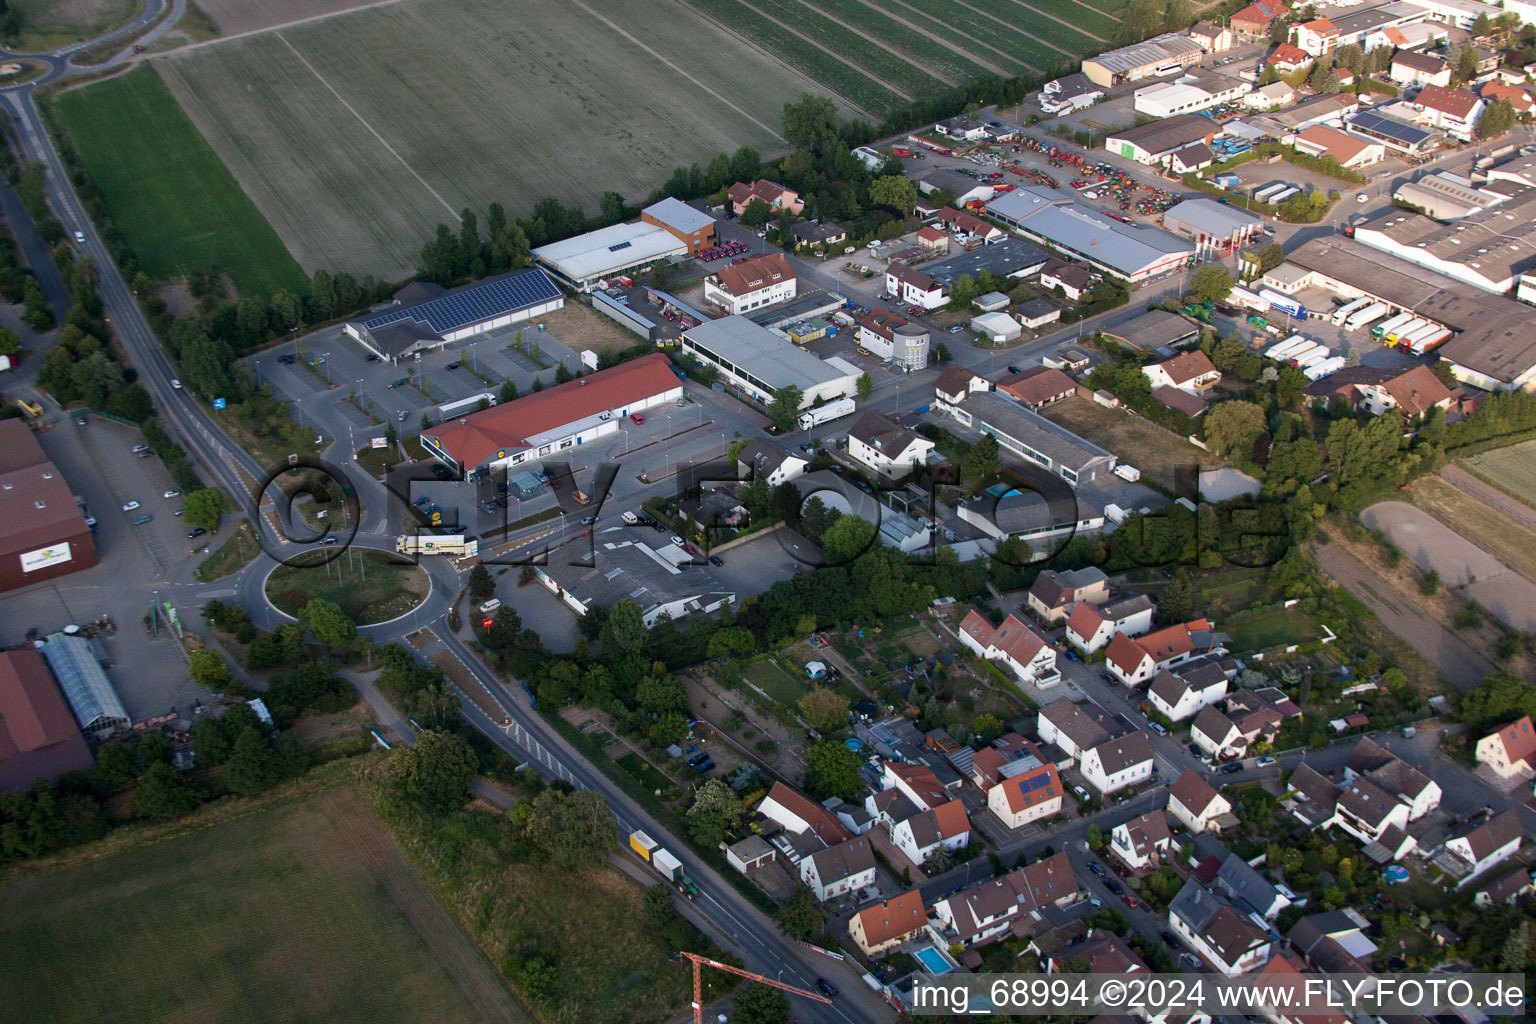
{"type": "Point", "coordinates": [490, 606]}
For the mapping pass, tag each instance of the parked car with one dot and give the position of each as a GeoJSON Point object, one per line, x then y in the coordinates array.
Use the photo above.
{"type": "Point", "coordinates": [1194, 748]}
{"type": "Point", "coordinates": [638, 418]}
{"type": "Point", "coordinates": [178, 511]}
{"type": "Point", "coordinates": [1169, 939]}
{"type": "Point", "coordinates": [677, 540]}
{"type": "Point", "coordinates": [1130, 901]}
{"type": "Point", "coordinates": [698, 759]}
{"type": "Point", "coordinates": [196, 533]}
{"type": "Point", "coordinates": [716, 560]}
{"type": "Point", "coordinates": [146, 517]}
{"type": "Point", "coordinates": [80, 419]}
{"type": "Point", "coordinates": [453, 366]}
{"type": "Point", "coordinates": [1265, 762]}
{"type": "Point", "coordinates": [170, 492]}
{"type": "Point", "coordinates": [1231, 769]}
{"type": "Point", "coordinates": [423, 500]}
{"type": "Point", "coordinates": [129, 506]}
{"type": "Point", "coordinates": [704, 766]}
{"type": "Point", "coordinates": [588, 520]}
{"type": "Point", "coordinates": [1013, 369]}
{"type": "Point", "coordinates": [139, 448]}
{"type": "Point", "coordinates": [689, 548]}
{"type": "Point", "coordinates": [1096, 868]}
{"type": "Point", "coordinates": [826, 988]}
{"type": "Point", "coordinates": [956, 329]}
{"type": "Point", "coordinates": [1114, 887]}
{"type": "Point", "coordinates": [1158, 728]}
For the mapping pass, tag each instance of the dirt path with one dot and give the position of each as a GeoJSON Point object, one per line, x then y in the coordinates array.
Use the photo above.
{"type": "Point", "coordinates": [1463, 666]}
{"type": "Point", "coordinates": [979, 42]}
{"type": "Point", "coordinates": [1494, 498]}
{"type": "Point", "coordinates": [1060, 21]}
{"type": "Point", "coordinates": [448, 944]}
{"type": "Point", "coordinates": [888, 49]}
{"type": "Point", "coordinates": [954, 48]}
{"type": "Point", "coordinates": [831, 54]}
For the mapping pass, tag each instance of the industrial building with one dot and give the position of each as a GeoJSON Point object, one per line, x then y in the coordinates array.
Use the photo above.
{"type": "Point", "coordinates": [1007, 258]}
{"type": "Point", "coordinates": [1156, 57]}
{"type": "Point", "coordinates": [554, 420]}
{"type": "Point", "coordinates": [1495, 344]}
{"type": "Point", "coordinates": [1026, 433]}
{"type": "Point", "coordinates": [1215, 228]}
{"type": "Point", "coordinates": [43, 534]}
{"type": "Point", "coordinates": [694, 228]}
{"type": "Point", "coordinates": [1397, 135]}
{"type": "Point", "coordinates": [1133, 252]}
{"type": "Point", "coordinates": [38, 736]}
{"type": "Point", "coordinates": [758, 362]}
{"type": "Point", "coordinates": [1446, 196]}
{"type": "Point", "coordinates": [581, 262]}
{"type": "Point", "coordinates": [91, 696]}
{"type": "Point", "coordinates": [662, 580]}
{"type": "Point", "coordinates": [1488, 249]}
{"type": "Point", "coordinates": [749, 284]}
{"type": "Point", "coordinates": [1152, 330]}
{"type": "Point", "coordinates": [436, 317]}
{"type": "Point", "coordinates": [1349, 151]}
{"type": "Point", "coordinates": [1155, 143]}
{"type": "Point", "coordinates": [1189, 94]}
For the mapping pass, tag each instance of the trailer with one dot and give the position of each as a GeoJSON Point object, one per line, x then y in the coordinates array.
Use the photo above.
{"type": "Point", "coordinates": [815, 417]}
{"type": "Point", "coordinates": [1418, 337]}
{"type": "Point", "coordinates": [1345, 311]}
{"type": "Point", "coordinates": [1392, 323]}
{"type": "Point", "coordinates": [1432, 341]}
{"type": "Point", "coordinates": [643, 845]}
{"type": "Point", "coordinates": [1284, 303]}
{"type": "Point", "coordinates": [1311, 357]}
{"type": "Point", "coordinates": [448, 410]}
{"type": "Point", "coordinates": [1130, 473]}
{"type": "Point", "coordinates": [434, 544]}
{"type": "Point", "coordinates": [1246, 299]}
{"type": "Point", "coordinates": [666, 865]}
{"type": "Point", "coordinates": [1411, 327]}
{"type": "Point", "coordinates": [1114, 513]}
{"type": "Point", "coordinates": [1263, 194]}
{"type": "Point", "coordinates": [1280, 197]}
{"type": "Point", "coordinates": [1285, 349]}
{"type": "Point", "coordinates": [1369, 313]}
{"type": "Point", "coordinates": [1318, 371]}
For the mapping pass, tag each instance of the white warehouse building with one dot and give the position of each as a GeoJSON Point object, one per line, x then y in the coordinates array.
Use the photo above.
{"type": "Point", "coordinates": [581, 262]}
{"type": "Point", "coordinates": [758, 361]}
{"type": "Point", "coordinates": [436, 317]}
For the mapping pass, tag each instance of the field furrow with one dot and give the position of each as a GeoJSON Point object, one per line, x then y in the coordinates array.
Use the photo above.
{"type": "Point", "coordinates": [1077, 16]}
{"type": "Point", "coordinates": [984, 45]}
{"type": "Point", "coordinates": [953, 63]}
{"type": "Point", "coordinates": [846, 44]}
{"type": "Point", "coordinates": [1024, 45]}
{"type": "Point", "coordinates": [1066, 41]}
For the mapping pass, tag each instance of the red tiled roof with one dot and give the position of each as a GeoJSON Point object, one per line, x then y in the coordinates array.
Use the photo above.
{"type": "Point", "coordinates": [921, 781]}
{"type": "Point", "coordinates": [1261, 13]}
{"type": "Point", "coordinates": [1452, 102]}
{"type": "Point", "coordinates": [1342, 146]}
{"type": "Point", "coordinates": [952, 819]}
{"type": "Point", "coordinates": [507, 427]}
{"type": "Point", "coordinates": [1285, 53]}
{"type": "Point", "coordinates": [1321, 26]}
{"type": "Point", "coordinates": [1021, 790]}
{"type": "Point", "coordinates": [1085, 618]}
{"type": "Point", "coordinates": [1191, 790]}
{"type": "Point", "coordinates": [931, 234]}
{"type": "Point", "coordinates": [1188, 366]}
{"type": "Point", "coordinates": [1037, 384]}
{"type": "Point", "coordinates": [820, 819]}
{"type": "Point", "coordinates": [1519, 98]}
{"type": "Point", "coordinates": [1416, 390]}
{"type": "Point", "coordinates": [1014, 637]}
{"type": "Point", "coordinates": [754, 274]}
{"type": "Point", "coordinates": [1519, 739]}
{"type": "Point", "coordinates": [894, 918]}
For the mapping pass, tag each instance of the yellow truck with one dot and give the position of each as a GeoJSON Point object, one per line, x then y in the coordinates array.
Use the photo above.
{"type": "Point", "coordinates": [643, 845]}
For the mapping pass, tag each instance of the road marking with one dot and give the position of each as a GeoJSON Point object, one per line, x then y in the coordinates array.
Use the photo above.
{"type": "Point", "coordinates": [365, 124]}
{"type": "Point", "coordinates": [226, 592]}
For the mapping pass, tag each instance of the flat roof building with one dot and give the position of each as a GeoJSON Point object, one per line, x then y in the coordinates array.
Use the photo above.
{"type": "Point", "coordinates": [1488, 249]}
{"type": "Point", "coordinates": [1028, 434]}
{"type": "Point", "coordinates": [1160, 55]}
{"type": "Point", "coordinates": [1132, 252]}
{"type": "Point", "coordinates": [443, 317]}
{"type": "Point", "coordinates": [694, 228]}
{"type": "Point", "coordinates": [1010, 257]}
{"type": "Point", "coordinates": [1156, 142]}
{"type": "Point", "coordinates": [90, 694]}
{"type": "Point", "coordinates": [1212, 226]}
{"type": "Point", "coordinates": [43, 533]}
{"type": "Point", "coordinates": [1153, 330]}
{"type": "Point", "coordinates": [586, 259]}
{"type": "Point", "coordinates": [555, 419]}
{"type": "Point", "coordinates": [38, 736]}
{"type": "Point", "coordinates": [759, 362]}
{"type": "Point", "coordinates": [662, 580]}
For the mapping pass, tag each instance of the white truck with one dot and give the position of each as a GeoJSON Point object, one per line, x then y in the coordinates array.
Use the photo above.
{"type": "Point", "coordinates": [448, 410]}
{"type": "Point", "coordinates": [1366, 315]}
{"type": "Point", "coordinates": [628, 518]}
{"type": "Point", "coordinates": [1125, 472]}
{"type": "Point", "coordinates": [815, 417]}
{"type": "Point", "coordinates": [1114, 513]}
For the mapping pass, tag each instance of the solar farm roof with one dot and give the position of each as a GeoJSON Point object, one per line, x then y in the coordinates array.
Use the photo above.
{"type": "Point", "coordinates": [474, 303]}
{"type": "Point", "coordinates": [1390, 128]}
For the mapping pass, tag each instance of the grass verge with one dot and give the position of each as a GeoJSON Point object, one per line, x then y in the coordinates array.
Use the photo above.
{"type": "Point", "coordinates": [372, 588]}
{"type": "Point", "coordinates": [237, 552]}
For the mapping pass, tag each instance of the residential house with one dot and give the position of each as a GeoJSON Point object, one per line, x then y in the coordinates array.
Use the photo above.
{"type": "Point", "coordinates": [1249, 890]}
{"type": "Point", "coordinates": [1118, 763]}
{"type": "Point", "coordinates": [888, 924]}
{"type": "Point", "coordinates": [1072, 278]}
{"type": "Point", "coordinates": [1032, 795]}
{"type": "Point", "coordinates": [1317, 37]}
{"type": "Point", "coordinates": [1520, 99]}
{"type": "Point", "coordinates": [1190, 371]}
{"type": "Point", "coordinates": [798, 814]}
{"type": "Point", "coordinates": [1053, 593]}
{"type": "Point", "coordinates": [1180, 401]}
{"type": "Point", "coordinates": [969, 226]}
{"type": "Point", "coordinates": [1036, 313]}
{"type": "Point", "coordinates": [1510, 750]}
{"type": "Point", "coordinates": [1349, 150]}
{"type": "Point", "coordinates": [1481, 846]}
{"type": "Point", "coordinates": [1408, 784]}
{"type": "Point", "coordinates": [1192, 159]}
{"type": "Point", "coordinates": [1270, 97]}
{"type": "Point", "coordinates": [1256, 719]}
{"type": "Point", "coordinates": [771, 192]}
{"type": "Point", "coordinates": [1026, 653]}
{"type": "Point", "coordinates": [1090, 627]}
{"type": "Point", "coordinates": [1382, 795]}
{"type": "Point", "coordinates": [1072, 728]}
{"type": "Point", "coordinates": [996, 907]}
{"type": "Point", "coordinates": [751, 284]}
{"type": "Point", "coordinates": [962, 128]}
{"type": "Point", "coordinates": [1134, 660]}
{"type": "Point", "coordinates": [1451, 110]}
{"type": "Point", "coordinates": [1213, 38]}
{"type": "Point", "coordinates": [986, 763]}
{"type": "Point", "coordinates": [1287, 58]}
{"type": "Point", "coordinates": [1282, 970]}
{"type": "Point", "coordinates": [769, 460]}
{"type": "Point", "coordinates": [885, 446]}
{"type": "Point", "coordinates": [1311, 797]}
{"type": "Point", "coordinates": [847, 867]}
{"type": "Point", "coordinates": [1178, 695]}
{"type": "Point", "coordinates": [1411, 68]}
{"type": "Point", "coordinates": [913, 287]}
{"type": "Point", "coordinates": [893, 337]}
{"type": "Point", "coordinates": [957, 383]}
{"type": "Point", "coordinates": [932, 241]}
{"type": "Point", "coordinates": [1197, 806]}
{"type": "Point", "coordinates": [1101, 952]}
{"type": "Point", "coordinates": [918, 812]}
{"type": "Point", "coordinates": [814, 232]}
{"type": "Point", "coordinates": [751, 852]}
{"type": "Point", "coordinates": [1334, 941]}
{"type": "Point", "coordinates": [1038, 386]}
{"type": "Point", "coordinates": [1216, 735]}
{"type": "Point", "coordinates": [1411, 390]}
{"type": "Point", "coordinates": [1142, 843]}
{"type": "Point", "coordinates": [1254, 21]}
{"type": "Point", "coordinates": [1507, 890]}
{"type": "Point", "coordinates": [1217, 930]}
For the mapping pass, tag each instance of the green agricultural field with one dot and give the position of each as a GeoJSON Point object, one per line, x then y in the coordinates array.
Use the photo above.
{"type": "Point", "coordinates": [174, 202]}
{"type": "Point", "coordinates": [356, 134]}
{"type": "Point", "coordinates": [772, 679]}
{"type": "Point", "coordinates": [1512, 470]}
{"type": "Point", "coordinates": [45, 24]}
{"type": "Point", "coordinates": [305, 912]}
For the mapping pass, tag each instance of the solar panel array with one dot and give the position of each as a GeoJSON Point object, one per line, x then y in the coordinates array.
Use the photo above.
{"type": "Point", "coordinates": [1030, 783]}
{"type": "Point", "coordinates": [475, 303]}
{"type": "Point", "coordinates": [1389, 127]}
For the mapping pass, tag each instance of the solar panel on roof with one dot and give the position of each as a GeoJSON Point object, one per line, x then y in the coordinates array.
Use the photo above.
{"type": "Point", "coordinates": [621, 245]}
{"type": "Point", "coordinates": [1389, 127]}
{"type": "Point", "coordinates": [474, 304]}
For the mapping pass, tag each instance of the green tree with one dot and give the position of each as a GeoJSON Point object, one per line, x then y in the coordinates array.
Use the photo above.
{"type": "Point", "coordinates": [657, 908]}
{"type": "Point", "coordinates": [576, 830]}
{"type": "Point", "coordinates": [1497, 119]}
{"type": "Point", "coordinates": [1211, 283]}
{"type": "Point", "coordinates": [436, 771]}
{"type": "Point", "coordinates": [252, 765]}
{"type": "Point", "coordinates": [1232, 426]}
{"type": "Point", "coordinates": [824, 709]}
{"type": "Point", "coordinates": [10, 342]}
{"type": "Point", "coordinates": [164, 793]}
{"type": "Point", "coordinates": [1174, 601]}
{"type": "Point", "coordinates": [209, 741]}
{"type": "Point", "coordinates": [508, 391]}
{"type": "Point", "coordinates": [865, 386]}
{"type": "Point", "coordinates": [1139, 20]}
{"type": "Point", "coordinates": [330, 625]}
{"type": "Point", "coordinates": [1094, 837]}
{"type": "Point", "coordinates": [981, 459]}
{"type": "Point", "coordinates": [208, 669]}
{"type": "Point", "coordinates": [203, 508]}
{"type": "Point", "coordinates": [624, 632]}
{"type": "Point", "coordinates": [435, 705]}
{"type": "Point", "coordinates": [896, 191]}
{"type": "Point", "coordinates": [802, 916]}
{"type": "Point", "coordinates": [715, 812]}
{"type": "Point", "coordinates": [35, 310]}
{"type": "Point", "coordinates": [756, 214]}
{"type": "Point", "coordinates": [831, 769]}
{"type": "Point", "coordinates": [481, 585]}
{"type": "Point", "coordinates": [1430, 583]}
{"type": "Point", "coordinates": [809, 123]}
{"type": "Point", "coordinates": [760, 1004]}
{"type": "Point", "coordinates": [847, 539]}
{"type": "Point", "coordinates": [784, 407]}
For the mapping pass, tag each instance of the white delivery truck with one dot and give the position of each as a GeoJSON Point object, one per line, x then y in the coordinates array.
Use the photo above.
{"type": "Point", "coordinates": [815, 417]}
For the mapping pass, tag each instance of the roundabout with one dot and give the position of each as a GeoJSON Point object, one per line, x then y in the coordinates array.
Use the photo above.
{"type": "Point", "coordinates": [370, 586]}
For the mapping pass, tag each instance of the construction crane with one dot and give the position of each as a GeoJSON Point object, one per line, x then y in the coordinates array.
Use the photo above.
{"type": "Point", "coordinates": [700, 962]}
